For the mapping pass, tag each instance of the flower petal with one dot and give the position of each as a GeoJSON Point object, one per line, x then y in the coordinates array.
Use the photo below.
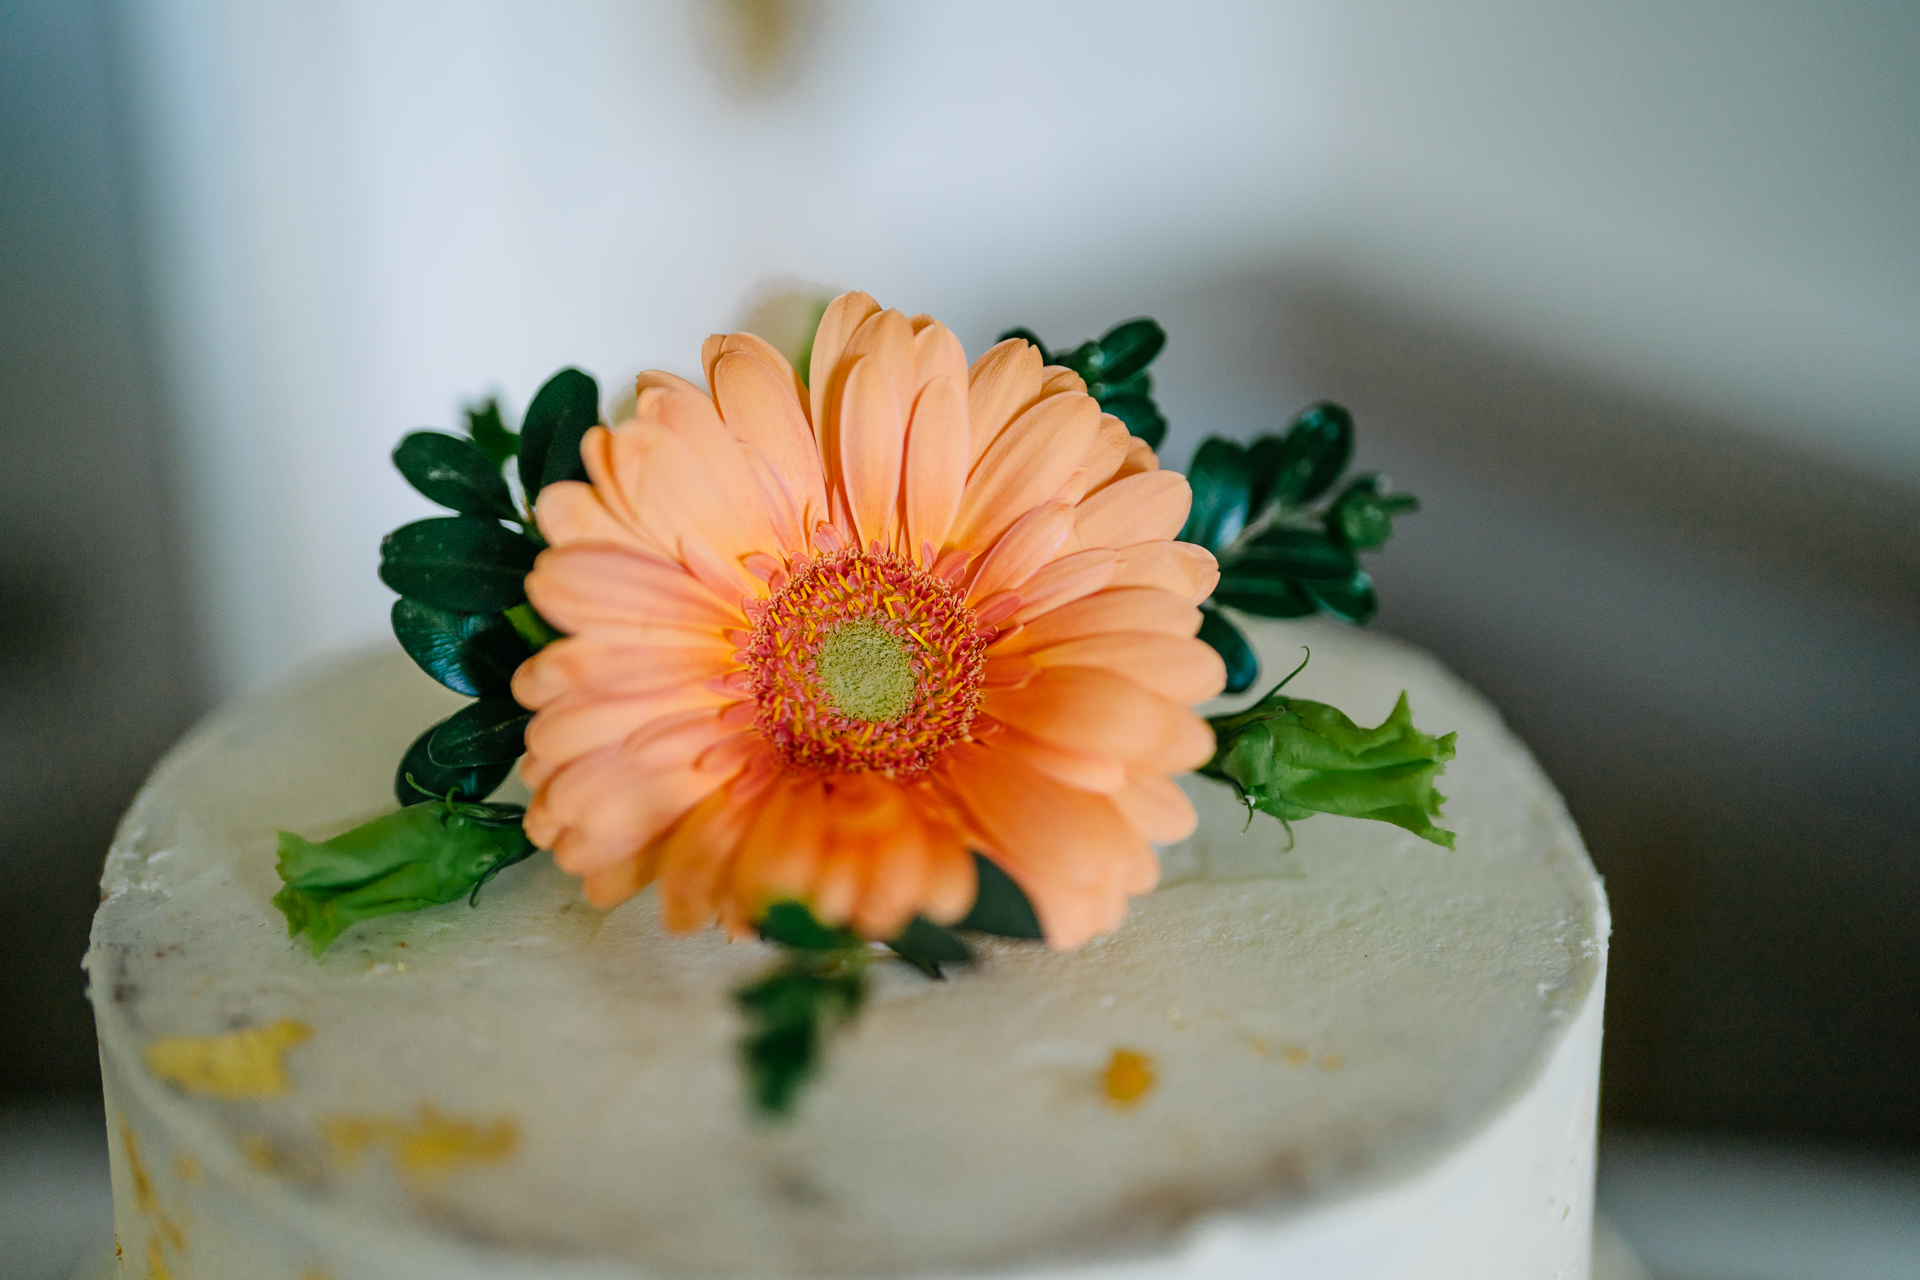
{"type": "Point", "coordinates": [1157, 807]}
{"type": "Point", "coordinates": [1065, 580]}
{"type": "Point", "coordinates": [1183, 669]}
{"type": "Point", "coordinates": [760, 407]}
{"type": "Point", "coordinates": [1146, 507]}
{"type": "Point", "coordinates": [1083, 770]}
{"type": "Point", "coordinates": [1027, 465]}
{"type": "Point", "coordinates": [616, 667]}
{"type": "Point", "coordinates": [1001, 385]}
{"type": "Point", "coordinates": [1188, 571]}
{"type": "Point", "coordinates": [1115, 609]}
{"type": "Point", "coordinates": [592, 587]}
{"type": "Point", "coordinates": [843, 315]}
{"type": "Point", "coordinates": [1092, 710]}
{"type": "Point", "coordinates": [1026, 546]}
{"type": "Point", "coordinates": [937, 354]}
{"type": "Point", "coordinates": [936, 464]}
{"type": "Point", "coordinates": [872, 439]}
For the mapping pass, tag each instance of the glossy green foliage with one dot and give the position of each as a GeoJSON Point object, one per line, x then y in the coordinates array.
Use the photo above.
{"type": "Point", "coordinates": [420, 856]}
{"type": "Point", "coordinates": [419, 774]}
{"type": "Point", "coordinates": [790, 1013]}
{"type": "Point", "coordinates": [563, 410]}
{"type": "Point", "coordinates": [486, 429]}
{"type": "Point", "coordinates": [1243, 664]}
{"type": "Point", "coordinates": [454, 472]}
{"type": "Point", "coordinates": [463, 564]}
{"type": "Point", "coordinates": [1285, 550]}
{"type": "Point", "coordinates": [1114, 367]}
{"type": "Point", "coordinates": [1293, 758]}
{"type": "Point", "coordinates": [926, 946]}
{"type": "Point", "coordinates": [999, 907]}
{"type": "Point", "coordinates": [489, 731]}
{"type": "Point", "coordinates": [471, 653]}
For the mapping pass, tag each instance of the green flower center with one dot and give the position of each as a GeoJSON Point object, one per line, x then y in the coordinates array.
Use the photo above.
{"type": "Point", "coordinates": [866, 671]}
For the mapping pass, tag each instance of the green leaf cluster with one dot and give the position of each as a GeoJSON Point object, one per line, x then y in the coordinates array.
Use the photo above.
{"type": "Point", "coordinates": [463, 614]}
{"type": "Point", "coordinates": [1293, 758]}
{"type": "Point", "coordinates": [1288, 545]}
{"type": "Point", "coordinates": [793, 1009]}
{"type": "Point", "coordinates": [1114, 367]}
{"type": "Point", "coordinates": [424, 854]}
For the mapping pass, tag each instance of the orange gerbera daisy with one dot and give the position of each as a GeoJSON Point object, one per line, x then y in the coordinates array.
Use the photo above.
{"type": "Point", "coordinates": [825, 638]}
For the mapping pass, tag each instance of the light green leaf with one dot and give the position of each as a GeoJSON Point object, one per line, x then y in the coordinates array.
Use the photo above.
{"type": "Point", "coordinates": [1293, 758]}
{"type": "Point", "coordinates": [419, 856]}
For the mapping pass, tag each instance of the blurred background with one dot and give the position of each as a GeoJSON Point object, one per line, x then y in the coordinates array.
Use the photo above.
{"type": "Point", "coordinates": [1629, 295]}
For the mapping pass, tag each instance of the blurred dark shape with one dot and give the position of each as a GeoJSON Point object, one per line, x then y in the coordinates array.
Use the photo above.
{"type": "Point", "coordinates": [755, 47]}
{"type": "Point", "coordinates": [94, 671]}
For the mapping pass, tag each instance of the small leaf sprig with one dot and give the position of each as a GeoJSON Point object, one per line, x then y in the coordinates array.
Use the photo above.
{"type": "Point", "coordinates": [1283, 552]}
{"type": "Point", "coordinates": [463, 617]}
{"type": "Point", "coordinates": [439, 850]}
{"type": "Point", "coordinates": [821, 983]}
{"type": "Point", "coordinates": [1293, 758]}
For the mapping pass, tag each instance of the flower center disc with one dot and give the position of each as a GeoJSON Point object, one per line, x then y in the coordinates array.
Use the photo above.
{"type": "Point", "coordinates": [866, 663]}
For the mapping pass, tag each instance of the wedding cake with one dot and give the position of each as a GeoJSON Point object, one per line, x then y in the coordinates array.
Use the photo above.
{"type": "Point", "coordinates": [1330, 1051]}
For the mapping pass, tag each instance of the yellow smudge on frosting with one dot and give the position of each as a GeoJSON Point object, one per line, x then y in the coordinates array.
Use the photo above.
{"type": "Point", "coordinates": [189, 1170]}
{"type": "Point", "coordinates": [431, 1143]}
{"type": "Point", "coordinates": [146, 1202]}
{"type": "Point", "coordinates": [1128, 1078]}
{"type": "Point", "coordinates": [156, 1261]}
{"type": "Point", "coordinates": [235, 1065]}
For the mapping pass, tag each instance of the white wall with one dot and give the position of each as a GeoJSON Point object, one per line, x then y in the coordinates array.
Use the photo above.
{"type": "Point", "coordinates": [360, 213]}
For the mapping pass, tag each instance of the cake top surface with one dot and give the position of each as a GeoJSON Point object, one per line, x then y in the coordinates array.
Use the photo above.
{"type": "Point", "coordinates": [1274, 1027]}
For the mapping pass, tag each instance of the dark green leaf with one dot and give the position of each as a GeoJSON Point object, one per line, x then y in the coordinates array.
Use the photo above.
{"type": "Point", "coordinates": [1129, 347]}
{"type": "Point", "coordinates": [1000, 907]}
{"type": "Point", "coordinates": [1362, 516]}
{"type": "Point", "coordinates": [1243, 664]}
{"type": "Point", "coordinates": [1316, 449]}
{"type": "Point", "coordinates": [1294, 758]}
{"type": "Point", "coordinates": [559, 417]}
{"type": "Point", "coordinates": [454, 473]}
{"type": "Point", "coordinates": [1140, 384]}
{"type": "Point", "coordinates": [1084, 360]}
{"type": "Point", "coordinates": [1264, 458]}
{"type": "Point", "coordinates": [486, 732]}
{"type": "Point", "coordinates": [1293, 553]}
{"type": "Point", "coordinates": [1218, 475]}
{"type": "Point", "coordinates": [927, 946]}
{"type": "Point", "coordinates": [792, 924]}
{"type": "Point", "coordinates": [471, 653]}
{"type": "Point", "coordinates": [790, 1012]}
{"type": "Point", "coordinates": [485, 426]}
{"type": "Point", "coordinates": [1030, 336]}
{"type": "Point", "coordinates": [1264, 597]}
{"type": "Point", "coordinates": [473, 782]}
{"type": "Point", "coordinates": [425, 854]}
{"type": "Point", "coordinates": [1141, 415]}
{"type": "Point", "coordinates": [1350, 600]}
{"type": "Point", "coordinates": [464, 564]}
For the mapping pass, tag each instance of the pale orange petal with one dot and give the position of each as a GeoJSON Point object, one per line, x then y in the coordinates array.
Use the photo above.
{"type": "Point", "coordinates": [938, 354]}
{"type": "Point", "coordinates": [1001, 385]}
{"type": "Point", "coordinates": [1142, 508]}
{"type": "Point", "coordinates": [1186, 670]}
{"type": "Point", "coordinates": [1057, 378]}
{"type": "Point", "coordinates": [1140, 457]}
{"type": "Point", "coordinates": [1088, 772]}
{"type": "Point", "coordinates": [613, 667]}
{"type": "Point", "coordinates": [615, 809]}
{"type": "Point", "coordinates": [1157, 807]}
{"type": "Point", "coordinates": [1065, 580]}
{"type": "Point", "coordinates": [760, 407]}
{"type": "Point", "coordinates": [570, 511]}
{"type": "Point", "coordinates": [1070, 850]}
{"type": "Point", "coordinates": [1105, 457]}
{"type": "Point", "coordinates": [578, 723]}
{"type": "Point", "coordinates": [588, 586]}
{"type": "Point", "coordinates": [695, 855]}
{"type": "Point", "coordinates": [1092, 710]}
{"type": "Point", "coordinates": [936, 465]}
{"type": "Point", "coordinates": [1187, 570]}
{"type": "Point", "coordinates": [843, 315]}
{"type": "Point", "coordinates": [872, 439]}
{"type": "Point", "coordinates": [1028, 544]}
{"type": "Point", "coordinates": [780, 854]}
{"type": "Point", "coordinates": [1026, 466]}
{"type": "Point", "coordinates": [1115, 609]}
{"type": "Point", "coordinates": [665, 381]}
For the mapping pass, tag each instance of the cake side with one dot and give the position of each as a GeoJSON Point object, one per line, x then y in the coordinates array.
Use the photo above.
{"type": "Point", "coordinates": [1342, 1024]}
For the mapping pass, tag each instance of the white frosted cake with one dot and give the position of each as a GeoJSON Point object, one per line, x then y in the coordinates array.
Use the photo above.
{"type": "Point", "coordinates": [1360, 1056]}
